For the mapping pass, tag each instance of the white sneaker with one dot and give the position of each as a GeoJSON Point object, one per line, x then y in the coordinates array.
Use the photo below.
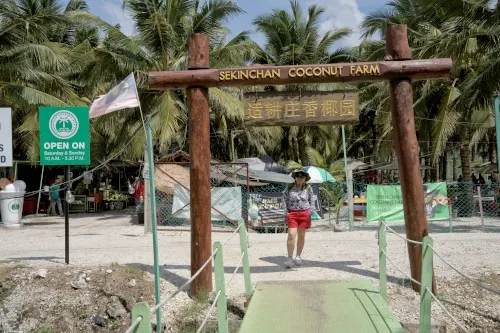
{"type": "Point", "coordinates": [298, 261]}
{"type": "Point", "coordinates": [289, 262]}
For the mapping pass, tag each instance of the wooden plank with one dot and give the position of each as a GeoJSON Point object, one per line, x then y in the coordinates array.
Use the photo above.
{"type": "Point", "coordinates": [301, 109]}
{"type": "Point", "coordinates": [199, 146]}
{"type": "Point", "coordinates": [280, 75]}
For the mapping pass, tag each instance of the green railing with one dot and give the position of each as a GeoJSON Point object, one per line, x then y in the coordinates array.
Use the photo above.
{"type": "Point", "coordinates": [142, 313]}
{"type": "Point", "coordinates": [426, 294]}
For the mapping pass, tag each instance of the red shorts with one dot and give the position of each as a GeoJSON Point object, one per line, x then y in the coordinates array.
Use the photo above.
{"type": "Point", "coordinates": [299, 219]}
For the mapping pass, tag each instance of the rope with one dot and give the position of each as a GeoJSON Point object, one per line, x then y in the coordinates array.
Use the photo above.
{"type": "Point", "coordinates": [447, 312]}
{"type": "Point", "coordinates": [465, 276]}
{"type": "Point", "coordinates": [204, 322]}
{"type": "Point", "coordinates": [411, 279]}
{"type": "Point", "coordinates": [188, 282]}
{"type": "Point", "coordinates": [231, 236]}
{"type": "Point", "coordinates": [134, 325]}
{"type": "Point", "coordinates": [100, 166]}
{"type": "Point", "coordinates": [236, 269]}
{"type": "Point", "coordinates": [404, 238]}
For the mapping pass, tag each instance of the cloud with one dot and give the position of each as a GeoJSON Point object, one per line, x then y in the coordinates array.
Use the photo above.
{"type": "Point", "coordinates": [341, 14]}
{"type": "Point", "coordinates": [117, 15]}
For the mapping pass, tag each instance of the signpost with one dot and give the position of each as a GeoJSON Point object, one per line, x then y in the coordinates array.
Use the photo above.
{"type": "Point", "coordinates": [398, 69]}
{"type": "Point", "coordinates": [64, 140]}
{"type": "Point", "coordinates": [299, 109]}
{"type": "Point", "coordinates": [5, 137]}
{"type": "Point", "coordinates": [64, 136]}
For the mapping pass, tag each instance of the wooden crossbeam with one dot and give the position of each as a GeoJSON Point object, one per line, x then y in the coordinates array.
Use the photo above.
{"type": "Point", "coordinates": [281, 75]}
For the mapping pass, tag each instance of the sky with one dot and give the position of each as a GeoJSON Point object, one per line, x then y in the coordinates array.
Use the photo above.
{"type": "Point", "coordinates": [339, 13]}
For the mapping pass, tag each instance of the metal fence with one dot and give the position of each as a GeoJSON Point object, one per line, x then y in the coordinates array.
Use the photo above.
{"type": "Point", "coordinates": [229, 189]}
{"type": "Point", "coordinates": [234, 198]}
{"type": "Point", "coordinates": [466, 200]}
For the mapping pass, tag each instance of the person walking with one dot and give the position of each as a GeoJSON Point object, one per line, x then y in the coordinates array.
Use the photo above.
{"type": "Point", "coordinates": [138, 187]}
{"type": "Point", "coordinates": [298, 199]}
{"type": "Point", "coordinates": [55, 198]}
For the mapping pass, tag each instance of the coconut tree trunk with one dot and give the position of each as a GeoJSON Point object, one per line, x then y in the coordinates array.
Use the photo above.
{"type": "Point", "coordinates": [442, 167]}
{"type": "Point", "coordinates": [295, 149]}
{"type": "Point", "coordinates": [301, 141]}
{"type": "Point", "coordinates": [285, 143]}
{"type": "Point", "coordinates": [466, 196]}
{"type": "Point", "coordinates": [465, 161]}
{"type": "Point", "coordinates": [491, 148]}
{"type": "Point", "coordinates": [473, 154]}
{"type": "Point", "coordinates": [433, 173]}
{"type": "Point", "coordinates": [454, 166]}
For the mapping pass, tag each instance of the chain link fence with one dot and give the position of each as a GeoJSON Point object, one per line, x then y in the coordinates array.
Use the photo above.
{"type": "Point", "coordinates": [466, 201]}
{"type": "Point", "coordinates": [235, 196]}
{"type": "Point", "coordinates": [229, 191]}
{"type": "Point", "coordinates": [470, 200]}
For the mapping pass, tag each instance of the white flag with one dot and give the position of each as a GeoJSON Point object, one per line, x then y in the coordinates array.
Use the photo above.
{"type": "Point", "coordinates": [122, 96]}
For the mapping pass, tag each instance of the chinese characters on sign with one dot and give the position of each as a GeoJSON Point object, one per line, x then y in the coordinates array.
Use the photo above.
{"type": "Point", "coordinates": [306, 108]}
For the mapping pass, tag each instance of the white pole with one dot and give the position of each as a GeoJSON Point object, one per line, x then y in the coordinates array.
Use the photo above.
{"type": "Point", "coordinates": [147, 213]}
{"type": "Point", "coordinates": [480, 205]}
{"type": "Point", "coordinates": [40, 192]}
{"type": "Point", "coordinates": [350, 195]}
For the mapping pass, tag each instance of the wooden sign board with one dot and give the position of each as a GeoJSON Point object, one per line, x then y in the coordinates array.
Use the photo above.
{"type": "Point", "coordinates": [301, 109]}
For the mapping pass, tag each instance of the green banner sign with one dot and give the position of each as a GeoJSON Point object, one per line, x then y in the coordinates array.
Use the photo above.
{"type": "Point", "coordinates": [386, 201]}
{"type": "Point", "coordinates": [64, 136]}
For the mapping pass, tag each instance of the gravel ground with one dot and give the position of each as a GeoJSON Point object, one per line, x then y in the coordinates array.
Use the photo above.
{"type": "Point", "coordinates": [102, 239]}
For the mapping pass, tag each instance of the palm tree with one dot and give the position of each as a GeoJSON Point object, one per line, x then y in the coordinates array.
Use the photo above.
{"type": "Point", "coordinates": [163, 28]}
{"type": "Point", "coordinates": [293, 38]}
{"type": "Point", "coordinates": [466, 31]}
{"type": "Point", "coordinates": [36, 63]}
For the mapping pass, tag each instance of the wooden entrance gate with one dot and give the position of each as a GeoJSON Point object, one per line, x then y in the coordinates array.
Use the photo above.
{"type": "Point", "coordinates": [397, 68]}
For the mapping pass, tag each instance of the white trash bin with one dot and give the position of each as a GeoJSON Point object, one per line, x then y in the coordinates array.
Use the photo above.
{"type": "Point", "coordinates": [11, 208]}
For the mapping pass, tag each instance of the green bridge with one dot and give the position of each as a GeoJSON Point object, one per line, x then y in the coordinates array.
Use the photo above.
{"type": "Point", "coordinates": [331, 306]}
{"type": "Point", "coordinates": [350, 306]}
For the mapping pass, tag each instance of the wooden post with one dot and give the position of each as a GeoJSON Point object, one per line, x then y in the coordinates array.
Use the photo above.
{"type": "Point", "coordinates": [406, 145]}
{"type": "Point", "coordinates": [199, 146]}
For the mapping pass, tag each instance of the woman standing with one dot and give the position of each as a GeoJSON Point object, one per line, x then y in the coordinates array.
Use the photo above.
{"type": "Point", "coordinates": [298, 204]}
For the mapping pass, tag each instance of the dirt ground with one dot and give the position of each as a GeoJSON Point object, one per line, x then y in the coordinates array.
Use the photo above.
{"type": "Point", "coordinates": [99, 242]}
{"type": "Point", "coordinates": [36, 304]}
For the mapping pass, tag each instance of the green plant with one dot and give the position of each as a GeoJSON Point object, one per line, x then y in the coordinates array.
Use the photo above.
{"type": "Point", "coordinates": [43, 330]}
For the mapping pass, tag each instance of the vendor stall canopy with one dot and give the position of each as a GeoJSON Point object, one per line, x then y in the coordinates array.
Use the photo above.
{"type": "Point", "coordinates": [264, 163]}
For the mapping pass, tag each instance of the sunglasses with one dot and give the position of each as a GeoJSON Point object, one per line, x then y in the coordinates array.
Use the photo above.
{"type": "Point", "coordinates": [300, 175]}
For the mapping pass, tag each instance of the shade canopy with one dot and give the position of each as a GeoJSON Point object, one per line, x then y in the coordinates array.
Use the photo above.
{"type": "Point", "coordinates": [319, 175]}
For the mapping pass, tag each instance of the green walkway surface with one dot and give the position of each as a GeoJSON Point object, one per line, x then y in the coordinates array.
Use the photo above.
{"type": "Point", "coordinates": [345, 306]}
